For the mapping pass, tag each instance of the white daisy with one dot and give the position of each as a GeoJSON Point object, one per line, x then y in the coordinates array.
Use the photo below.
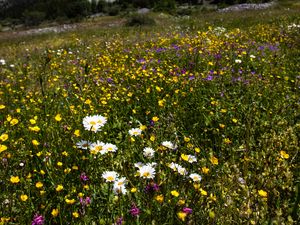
{"type": "Point", "coordinates": [138, 165]}
{"type": "Point", "coordinates": [94, 123]}
{"type": "Point", "coordinates": [195, 177]}
{"type": "Point", "coordinates": [192, 159]}
{"type": "Point", "coordinates": [97, 147]}
{"type": "Point", "coordinates": [147, 172]}
{"type": "Point", "coordinates": [173, 166]}
{"type": "Point", "coordinates": [119, 186]}
{"type": "Point", "coordinates": [181, 170]}
{"type": "Point", "coordinates": [153, 164]}
{"type": "Point", "coordinates": [148, 152]}
{"type": "Point", "coordinates": [2, 62]}
{"type": "Point", "coordinates": [83, 144]}
{"type": "Point", "coordinates": [110, 176]}
{"type": "Point", "coordinates": [135, 132]}
{"type": "Point", "coordinates": [168, 144]}
{"type": "Point", "coordinates": [108, 147]}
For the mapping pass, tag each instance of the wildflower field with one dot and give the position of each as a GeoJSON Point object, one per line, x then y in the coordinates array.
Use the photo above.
{"type": "Point", "coordinates": [193, 123]}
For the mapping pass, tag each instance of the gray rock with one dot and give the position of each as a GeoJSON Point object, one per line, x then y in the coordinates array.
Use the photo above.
{"type": "Point", "coordinates": [143, 11]}
{"type": "Point", "coordinates": [242, 7]}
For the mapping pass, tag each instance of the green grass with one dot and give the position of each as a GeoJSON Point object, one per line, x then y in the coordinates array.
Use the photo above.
{"type": "Point", "coordinates": [222, 88]}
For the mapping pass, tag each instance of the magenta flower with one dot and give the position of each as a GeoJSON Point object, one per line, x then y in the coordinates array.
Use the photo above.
{"type": "Point", "coordinates": [38, 220]}
{"type": "Point", "coordinates": [85, 201]}
{"type": "Point", "coordinates": [84, 177]}
{"type": "Point", "coordinates": [187, 210]}
{"type": "Point", "coordinates": [134, 211]}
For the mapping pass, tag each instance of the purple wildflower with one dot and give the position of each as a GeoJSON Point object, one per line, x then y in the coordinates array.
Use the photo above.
{"type": "Point", "coordinates": [85, 201]}
{"type": "Point", "coordinates": [134, 211]}
{"type": "Point", "coordinates": [152, 187]}
{"type": "Point", "coordinates": [38, 220]}
{"type": "Point", "coordinates": [209, 77]}
{"type": "Point", "coordinates": [187, 210]}
{"type": "Point", "coordinates": [119, 221]}
{"type": "Point", "coordinates": [84, 177]}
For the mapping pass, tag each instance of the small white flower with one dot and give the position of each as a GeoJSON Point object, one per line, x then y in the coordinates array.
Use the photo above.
{"type": "Point", "coordinates": [192, 159]}
{"type": "Point", "coordinates": [119, 186]}
{"type": "Point", "coordinates": [135, 132]}
{"type": "Point", "coordinates": [252, 56]}
{"type": "Point", "coordinates": [148, 152]}
{"type": "Point", "coordinates": [173, 166]}
{"type": "Point", "coordinates": [110, 176]}
{"type": "Point", "coordinates": [109, 147]}
{"type": "Point", "coordinates": [2, 62]}
{"type": "Point", "coordinates": [238, 61]}
{"type": "Point", "coordinates": [138, 165]}
{"type": "Point", "coordinates": [94, 123]}
{"type": "Point", "coordinates": [83, 144]}
{"type": "Point", "coordinates": [97, 147]}
{"type": "Point", "coordinates": [181, 170]}
{"type": "Point", "coordinates": [168, 144]}
{"type": "Point", "coordinates": [147, 172]}
{"type": "Point", "coordinates": [195, 177]}
{"type": "Point", "coordinates": [153, 164]}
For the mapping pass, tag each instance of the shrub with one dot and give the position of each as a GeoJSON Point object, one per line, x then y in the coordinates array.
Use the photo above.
{"type": "Point", "coordinates": [33, 18]}
{"type": "Point", "coordinates": [140, 20]}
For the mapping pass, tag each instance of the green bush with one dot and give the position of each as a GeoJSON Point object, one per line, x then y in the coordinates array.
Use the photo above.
{"type": "Point", "coordinates": [33, 18]}
{"type": "Point", "coordinates": [140, 20]}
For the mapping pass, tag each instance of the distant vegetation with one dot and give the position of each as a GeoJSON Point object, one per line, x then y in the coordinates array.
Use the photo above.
{"type": "Point", "coordinates": [33, 12]}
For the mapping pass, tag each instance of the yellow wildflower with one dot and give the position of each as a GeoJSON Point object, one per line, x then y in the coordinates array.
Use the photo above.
{"type": "Point", "coordinates": [77, 133]}
{"type": "Point", "coordinates": [24, 198]}
{"type": "Point", "coordinates": [214, 160]}
{"type": "Point", "coordinates": [54, 212]}
{"type": "Point", "coordinates": [182, 215]}
{"type": "Point", "coordinates": [58, 117]}
{"type": "Point", "coordinates": [59, 188]}
{"type": "Point", "coordinates": [155, 119]}
{"type": "Point", "coordinates": [284, 155]}
{"type": "Point", "coordinates": [75, 214]}
{"type": "Point", "coordinates": [205, 170]}
{"type": "Point", "coordinates": [263, 193]}
{"type": "Point", "coordinates": [39, 184]}
{"type": "Point", "coordinates": [203, 192]}
{"type": "Point", "coordinates": [159, 198]}
{"type": "Point", "coordinates": [175, 193]}
{"type": "Point", "coordinates": [3, 148]}
{"type": "Point", "coordinates": [14, 179]}
{"type": "Point", "coordinates": [32, 121]}
{"type": "Point", "coordinates": [4, 137]}
{"type": "Point", "coordinates": [70, 201]}
{"type": "Point", "coordinates": [14, 122]}
{"type": "Point", "coordinates": [35, 142]}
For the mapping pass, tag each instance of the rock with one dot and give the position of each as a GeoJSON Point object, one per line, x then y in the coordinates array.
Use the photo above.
{"type": "Point", "coordinates": [241, 7]}
{"type": "Point", "coordinates": [143, 11]}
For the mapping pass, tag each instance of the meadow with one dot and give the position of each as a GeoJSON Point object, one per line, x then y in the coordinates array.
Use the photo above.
{"type": "Point", "coordinates": [194, 120]}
